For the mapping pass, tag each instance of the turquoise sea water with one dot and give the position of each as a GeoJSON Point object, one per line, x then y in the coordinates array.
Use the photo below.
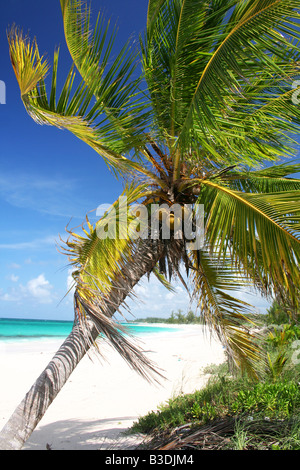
{"type": "Point", "coordinates": [27, 330]}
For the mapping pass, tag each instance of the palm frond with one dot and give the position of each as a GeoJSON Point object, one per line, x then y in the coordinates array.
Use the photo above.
{"type": "Point", "coordinates": [218, 103]}
{"type": "Point", "coordinates": [254, 36]}
{"type": "Point", "coordinates": [117, 336]}
{"type": "Point", "coordinates": [28, 65]}
{"type": "Point", "coordinates": [162, 279]}
{"type": "Point", "coordinates": [99, 253]}
{"type": "Point", "coordinates": [272, 179]}
{"type": "Point", "coordinates": [223, 82]}
{"type": "Point", "coordinates": [237, 222]}
{"type": "Point", "coordinates": [279, 171]}
{"type": "Point", "coordinates": [154, 7]}
{"type": "Point", "coordinates": [72, 110]}
{"type": "Point", "coordinates": [107, 263]}
{"type": "Point", "coordinates": [112, 82]}
{"type": "Point", "coordinates": [226, 316]}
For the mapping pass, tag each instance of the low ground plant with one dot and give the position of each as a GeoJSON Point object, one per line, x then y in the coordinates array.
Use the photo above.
{"type": "Point", "coordinates": [233, 411]}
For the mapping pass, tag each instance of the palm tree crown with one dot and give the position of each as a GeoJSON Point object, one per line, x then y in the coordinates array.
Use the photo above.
{"type": "Point", "coordinates": [206, 123]}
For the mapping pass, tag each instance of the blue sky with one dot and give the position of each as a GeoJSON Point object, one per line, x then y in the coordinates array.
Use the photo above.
{"type": "Point", "coordinates": [49, 179]}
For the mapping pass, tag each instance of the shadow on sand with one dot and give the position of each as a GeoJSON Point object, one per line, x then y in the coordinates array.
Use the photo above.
{"type": "Point", "coordinates": [74, 434]}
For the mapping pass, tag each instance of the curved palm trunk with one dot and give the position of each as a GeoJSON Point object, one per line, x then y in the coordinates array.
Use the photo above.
{"type": "Point", "coordinates": [34, 405]}
{"type": "Point", "coordinates": [36, 402]}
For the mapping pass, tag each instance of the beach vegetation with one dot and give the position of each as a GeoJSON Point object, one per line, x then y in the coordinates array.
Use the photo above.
{"type": "Point", "coordinates": [233, 411]}
{"type": "Point", "coordinates": [176, 317]}
{"type": "Point", "coordinates": [280, 312]}
{"type": "Point", "coordinates": [277, 315]}
{"type": "Point", "coordinates": [262, 412]}
{"type": "Point", "coordinates": [198, 113]}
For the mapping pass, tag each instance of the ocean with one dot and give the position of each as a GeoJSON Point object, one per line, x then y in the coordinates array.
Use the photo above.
{"type": "Point", "coordinates": [12, 329]}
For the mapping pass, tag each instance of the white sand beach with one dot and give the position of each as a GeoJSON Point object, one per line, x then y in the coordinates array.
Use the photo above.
{"type": "Point", "coordinates": [103, 398]}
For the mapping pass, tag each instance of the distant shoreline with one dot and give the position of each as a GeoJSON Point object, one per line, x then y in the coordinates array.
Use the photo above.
{"type": "Point", "coordinates": [142, 320]}
{"type": "Point", "coordinates": [27, 330]}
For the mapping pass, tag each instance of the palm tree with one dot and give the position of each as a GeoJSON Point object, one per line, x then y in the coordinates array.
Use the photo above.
{"type": "Point", "coordinates": [208, 122]}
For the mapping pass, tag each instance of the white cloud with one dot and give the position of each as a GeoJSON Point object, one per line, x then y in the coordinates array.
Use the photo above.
{"type": "Point", "coordinates": [153, 299]}
{"type": "Point", "coordinates": [70, 283]}
{"type": "Point", "coordinates": [70, 288]}
{"type": "Point", "coordinates": [38, 289]}
{"type": "Point", "coordinates": [33, 244]}
{"type": "Point", "coordinates": [8, 297]}
{"type": "Point", "coordinates": [13, 278]}
{"type": "Point", "coordinates": [54, 195]}
{"type": "Point", "coordinates": [14, 266]}
{"type": "Point", "coordinates": [141, 290]}
{"type": "Point", "coordinates": [170, 295]}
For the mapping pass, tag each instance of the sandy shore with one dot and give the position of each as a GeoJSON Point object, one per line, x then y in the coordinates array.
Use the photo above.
{"type": "Point", "coordinates": [103, 398]}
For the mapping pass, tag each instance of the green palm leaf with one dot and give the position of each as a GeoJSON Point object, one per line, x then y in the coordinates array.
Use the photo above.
{"type": "Point", "coordinates": [238, 221]}
{"type": "Point", "coordinates": [226, 315]}
{"type": "Point", "coordinates": [71, 110]}
{"type": "Point", "coordinates": [227, 98]}
{"type": "Point", "coordinates": [269, 180]}
{"type": "Point", "coordinates": [262, 21]}
{"type": "Point", "coordinates": [103, 259]}
{"type": "Point", "coordinates": [116, 91]}
{"type": "Point", "coordinates": [98, 254]}
{"type": "Point", "coordinates": [217, 105]}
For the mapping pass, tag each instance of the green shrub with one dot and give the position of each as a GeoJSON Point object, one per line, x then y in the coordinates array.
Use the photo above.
{"type": "Point", "coordinates": [283, 336]}
{"type": "Point", "coordinates": [212, 401]}
{"type": "Point", "coordinates": [274, 400]}
{"type": "Point", "coordinates": [266, 412]}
